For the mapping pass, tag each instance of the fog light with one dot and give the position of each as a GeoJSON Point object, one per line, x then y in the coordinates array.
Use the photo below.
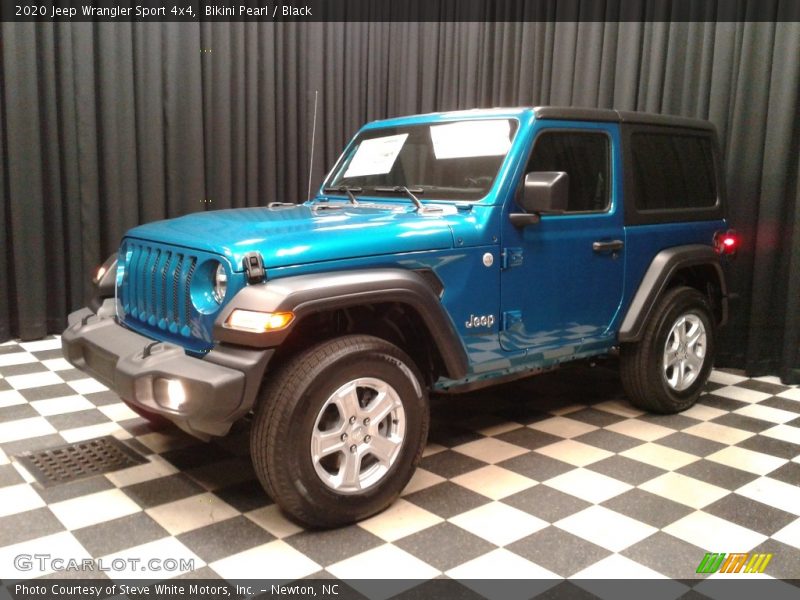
{"type": "Point", "coordinates": [259, 322]}
{"type": "Point", "coordinates": [170, 393]}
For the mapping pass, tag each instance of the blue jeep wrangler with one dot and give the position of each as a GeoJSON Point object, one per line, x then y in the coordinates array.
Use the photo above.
{"type": "Point", "coordinates": [443, 253]}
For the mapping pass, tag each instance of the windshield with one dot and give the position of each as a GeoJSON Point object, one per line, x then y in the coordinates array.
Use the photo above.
{"type": "Point", "coordinates": [448, 161]}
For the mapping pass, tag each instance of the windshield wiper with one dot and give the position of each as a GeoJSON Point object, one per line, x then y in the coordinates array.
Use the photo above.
{"type": "Point", "coordinates": [350, 191]}
{"type": "Point", "coordinates": [401, 189]}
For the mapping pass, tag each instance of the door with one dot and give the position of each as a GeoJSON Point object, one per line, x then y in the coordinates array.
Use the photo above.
{"type": "Point", "coordinates": [563, 278]}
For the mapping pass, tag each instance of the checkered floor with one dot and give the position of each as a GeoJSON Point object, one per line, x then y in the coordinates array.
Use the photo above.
{"type": "Point", "coordinates": [556, 476]}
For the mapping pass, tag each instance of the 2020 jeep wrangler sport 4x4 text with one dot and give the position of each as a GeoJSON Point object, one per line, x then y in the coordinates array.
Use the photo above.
{"type": "Point", "coordinates": [443, 253]}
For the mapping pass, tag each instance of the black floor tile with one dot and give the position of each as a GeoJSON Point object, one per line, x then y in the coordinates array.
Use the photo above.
{"type": "Point", "coordinates": [592, 416]}
{"type": "Point", "coordinates": [546, 503]}
{"type": "Point", "coordinates": [244, 496]}
{"type": "Point", "coordinates": [81, 418]}
{"type": "Point", "coordinates": [558, 551]}
{"type": "Point", "coordinates": [647, 508]}
{"type": "Point", "coordinates": [531, 439]}
{"type": "Point", "coordinates": [768, 445]}
{"type": "Point", "coordinates": [723, 476]}
{"type": "Point", "coordinates": [743, 422]}
{"type": "Point", "coordinates": [162, 490]}
{"type": "Point", "coordinates": [692, 444]}
{"type": "Point", "coordinates": [28, 525]}
{"type": "Point", "coordinates": [536, 466]}
{"type": "Point", "coordinates": [23, 369]}
{"type": "Point", "coordinates": [225, 538]}
{"type": "Point", "coordinates": [668, 555]}
{"type": "Point", "coordinates": [119, 534]}
{"type": "Point", "coordinates": [608, 440]}
{"type": "Point", "coordinates": [73, 489]}
{"type": "Point", "coordinates": [788, 473]}
{"type": "Point", "coordinates": [447, 499]}
{"type": "Point", "coordinates": [750, 514]}
{"type": "Point", "coordinates": [450, 464]}
{"type": "Point", "coordinates": [445, 546]}
{"type": "Point", "coordinates": [333, 545]}
{"type": "Point", "coordinates": [625, 469]}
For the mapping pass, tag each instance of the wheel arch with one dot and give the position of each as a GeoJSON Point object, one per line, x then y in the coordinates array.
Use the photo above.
{"type": "Point", "coordinates": [694, 265]}
{"type": "Point", "coordinates": [316, 296]}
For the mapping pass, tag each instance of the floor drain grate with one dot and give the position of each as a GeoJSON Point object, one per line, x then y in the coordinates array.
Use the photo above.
{"type": "Point", "coordinates": [80, 460]}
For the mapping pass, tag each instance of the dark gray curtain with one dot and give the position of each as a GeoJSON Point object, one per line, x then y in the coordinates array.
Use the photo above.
{"type": "Point", "coordinates": [104, 126]}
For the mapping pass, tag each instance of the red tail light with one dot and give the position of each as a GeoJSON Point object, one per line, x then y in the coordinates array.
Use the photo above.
{"type": "Point", "coordinates": [726, 242]}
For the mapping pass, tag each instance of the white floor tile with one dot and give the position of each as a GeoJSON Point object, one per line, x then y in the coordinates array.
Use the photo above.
{"type": "Point", "coordinates": [89, 432]}
{"type": "Point", "coordinates": [117, 412]}
{"type": "Point", "coordinates": [42, 345]}
{"type": "Point", "coordinates": [273, 520]}
{"type": "Point", "coordinates": [22, 429]}
{"type": "Point", "coordinates": [617, 566]}
{"type": "Point", "coordinates": [399, 520]}
{"type": "Point", "coordinates": [3, 458]}
{"type": "Point", "coordinates": [420, 480]}
{"type": "Point", "coordinates": [620, 408]}
{"type": "Point", "coordinates": [61, 545]}
{"type": "Point", "coordinates": [11, 398]}
{"type": "Point", "coordinates": [606, 528]}
{"type": "Point", "coordinates": [563, 427]}
{"type": "Point", "coordinates": [94, 508]}
{"type": "Point", "coordinates": [725, 378]}
{"type": "Point", "coordinates": [16, 358]}
{"type": "Point", "coordinates": [701, 529]}
{"type": "Point", "coordinates": [702, 412]}
{"type": "Point", "coordinates": [18, 498]}
{"type": "Point", "coordinates": [87, 386]}
{"type": "Point", "coordinates": [32, 380]}
{"type": "Point", "coordinates": [574, 452]}
{"type": "Point", "coordinates": [432, 449]}
{"type": "Point", "coordinates": [490, 450]}
{"type": "Point", "coordinates": [588, 485]}
{"type": "Point", "coordinates": [500, 564]}
{"type": "Point", "coordinates": [494, 482]}
{"type": "Point", "coordinates": [641, 430]}
{"type": "Point", "coordinates": [499, 523]}
{"type": "Point", "coordinates": [719, 433]}
{"type": "Point", "coordinates": [791, 394]}
{"type": "Point", "coordinates": [686, 490]}
{"type": "Point", "coordinates": [660, 456]}
{"type": "Point", "coordinates": [742, 394]}
{"type": "Point", "coordinates": [767, 413]}
{"type": "Point", "coordinates": [384, 562]}
{"type": "Point", "coordinates": [161, 559]}
{"type": "Point", "coordinates": [790, 534]}
{"type": "Point", "coordinates": [57, 364]}
{"type": "Point", "coordinates": [786, 433]}
{"type": "Point", "coordinates": [191, 513]}
{"type": "Point", "coordinates": [746, 460]}
{"type": "Point", "coordinates": [773, 493]}
{"type": "Point", "coordinates": [61, 406]}
{"type": "Point", "coordinates": [275, 560]}
{"type": "Point", "coordinates": [153, 469]}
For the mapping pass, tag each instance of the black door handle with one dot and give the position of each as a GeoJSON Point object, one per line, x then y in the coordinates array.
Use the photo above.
{"type": "Point", "coordinates": [610, 246]}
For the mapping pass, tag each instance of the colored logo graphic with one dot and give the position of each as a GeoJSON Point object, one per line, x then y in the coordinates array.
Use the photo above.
{"type": "Point", "coordinates": [733, 563]}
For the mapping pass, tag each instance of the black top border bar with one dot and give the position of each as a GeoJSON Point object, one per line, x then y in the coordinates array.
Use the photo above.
{"type": "Point", "coordinates": [268, 11]}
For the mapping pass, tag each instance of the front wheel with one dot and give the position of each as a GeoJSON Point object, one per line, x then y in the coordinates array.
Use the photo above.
{"type": "Point", "coordinates": [666, 370]}
{"type": "Point", "coordinates": [339, 430]}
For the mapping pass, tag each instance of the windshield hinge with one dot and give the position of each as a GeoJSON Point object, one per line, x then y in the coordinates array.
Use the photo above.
{"type": "Point", "coordinates": [512, 257]}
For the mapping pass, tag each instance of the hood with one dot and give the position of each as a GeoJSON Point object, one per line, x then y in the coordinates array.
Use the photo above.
{"type": "Point", "coordinates": [292, 235]}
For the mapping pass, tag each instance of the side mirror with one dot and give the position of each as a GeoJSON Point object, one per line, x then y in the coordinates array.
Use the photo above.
{"type": "Point", "coordinates": [545, 192]}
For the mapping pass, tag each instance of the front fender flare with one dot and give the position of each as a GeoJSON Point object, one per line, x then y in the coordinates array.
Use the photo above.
{"type": "Point", "coordinates": [307, 294]}
{"type": "Point", "coordinates": [665, 264]}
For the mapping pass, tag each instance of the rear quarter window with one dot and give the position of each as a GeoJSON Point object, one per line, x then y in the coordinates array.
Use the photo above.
{"type": "Point", "coordinates": [673, 171]}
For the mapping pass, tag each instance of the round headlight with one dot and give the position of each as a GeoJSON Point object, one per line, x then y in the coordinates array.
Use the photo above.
{"type": "Point", "coordinates": [220, 283]}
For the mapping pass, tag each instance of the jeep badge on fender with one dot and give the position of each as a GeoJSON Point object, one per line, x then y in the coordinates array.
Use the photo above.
{"type": "Point", "coordinates": [332, 320]}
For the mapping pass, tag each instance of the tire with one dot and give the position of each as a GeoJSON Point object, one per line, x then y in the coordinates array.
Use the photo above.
{"type": "Point", "coordinates": [680, 334]}
{"type": "Point", "coordinates": [317, 397]}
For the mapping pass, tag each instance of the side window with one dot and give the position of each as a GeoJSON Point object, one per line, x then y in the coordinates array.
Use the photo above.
{"type": "Point", "coordinates": [584, 156]}
{"type": "Point", "coordinates": [673, 171]}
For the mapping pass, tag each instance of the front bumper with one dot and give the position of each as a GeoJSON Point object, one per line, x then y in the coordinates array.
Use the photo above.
{"type": "Point", "coordinates": [219, 388]}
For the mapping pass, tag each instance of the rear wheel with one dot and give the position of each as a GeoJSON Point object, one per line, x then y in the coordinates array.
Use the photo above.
{"type": "Point", "coordinates": [666, 370]}
{"type": "Point", "coordinates": [339, 430]}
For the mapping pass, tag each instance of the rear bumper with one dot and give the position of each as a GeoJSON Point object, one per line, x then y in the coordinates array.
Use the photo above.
{"type": "Point", "coordinates": [218, 389]}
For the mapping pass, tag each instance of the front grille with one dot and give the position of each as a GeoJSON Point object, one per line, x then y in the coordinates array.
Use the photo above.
{"type": "Point", "coordinates": [156, 287]}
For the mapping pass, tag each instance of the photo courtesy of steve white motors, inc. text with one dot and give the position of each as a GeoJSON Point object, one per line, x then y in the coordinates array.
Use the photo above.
{"type": "Point", "coordinates": [194, 590]}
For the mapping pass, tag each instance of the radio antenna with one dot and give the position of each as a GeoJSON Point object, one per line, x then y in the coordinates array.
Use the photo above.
{"type": "Point", "coordinates": [313, 137]}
